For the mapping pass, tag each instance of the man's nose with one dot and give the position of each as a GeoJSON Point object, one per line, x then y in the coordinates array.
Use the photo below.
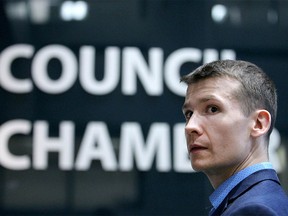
{"type": "Point", "coordinates": [193, 126]}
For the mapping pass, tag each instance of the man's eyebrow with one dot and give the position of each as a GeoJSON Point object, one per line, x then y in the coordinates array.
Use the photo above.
{"type": "Point", "coordinates": [201, 100]}
{"type": "Point", "coordinates": [207, 98]}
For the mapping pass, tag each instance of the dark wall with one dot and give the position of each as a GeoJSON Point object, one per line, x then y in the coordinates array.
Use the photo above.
{"type": "Point", "coordinates": [166, 24]}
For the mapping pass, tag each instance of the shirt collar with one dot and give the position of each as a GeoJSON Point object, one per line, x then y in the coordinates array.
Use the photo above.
{"type": "Point", "coordinates": [217, 197]}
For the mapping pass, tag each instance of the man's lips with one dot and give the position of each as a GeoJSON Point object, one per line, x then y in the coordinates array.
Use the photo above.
{"type": "Point", "coordinates": [196, 148]}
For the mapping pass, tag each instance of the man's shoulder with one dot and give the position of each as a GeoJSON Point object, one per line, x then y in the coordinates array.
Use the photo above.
{"type": "Point", "coordinates": [253, 208]}
{"type": "Point", "coordinates": [260, 192]}
{"type": "Point", "coordinates": [265, 192]}
{"type": "Point", "coordinates": [257, 184]}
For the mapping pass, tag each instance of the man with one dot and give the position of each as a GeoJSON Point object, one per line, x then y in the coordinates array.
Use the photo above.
{"type": "Point", "coordinates": [230, 110]}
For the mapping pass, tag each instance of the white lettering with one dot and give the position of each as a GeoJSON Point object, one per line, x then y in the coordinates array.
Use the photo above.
{"type": "Point", "coordinates": [7, 130]}
{"type": "Point", "coordinates": [134, 63]}
{"type": "Point", "coordinates": [210, 55]}
{"type": "Point", "coordinates": [172, 68]}
{"type": "Point", "coordinates": [181, 159]}
{"type": "Point", "coordinates": [274, 145]}
{"type": "Point", "coordinates": [135, 69]}
{"type": "Point", "coordinates": [132, 143]}
{"type": "Point", "coordinates": [42, 144]}
{"type": "Point", "coordinates": [96, 133]}
{"type": "Point", "coordinates": [228, 54]}
{"type": "Point", "coordinates": [97, 145]}
{"type": "Point", "coordinates": [69, 69]}
{"type": "Point", "coordinates": [111, 73]}
{"type": "Point", "coordinates": [7, 80]}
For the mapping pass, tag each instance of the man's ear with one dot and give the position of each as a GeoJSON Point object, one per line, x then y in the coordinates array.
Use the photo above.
{"type": "Point", "coordinates": [262, 123]}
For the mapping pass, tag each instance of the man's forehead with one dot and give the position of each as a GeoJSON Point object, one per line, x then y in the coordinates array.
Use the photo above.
{"type": "Point", "coordinates": [212, 89]}
{"type": "Point", "coordinates": [214, 84]}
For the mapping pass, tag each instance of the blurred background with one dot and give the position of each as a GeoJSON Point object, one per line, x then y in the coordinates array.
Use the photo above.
{"type": "Point", "coordinates": [91, 120]}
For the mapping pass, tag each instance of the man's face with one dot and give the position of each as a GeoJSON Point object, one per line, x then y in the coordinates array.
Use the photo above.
{"type": "Point", "coordinates": [217, 131]}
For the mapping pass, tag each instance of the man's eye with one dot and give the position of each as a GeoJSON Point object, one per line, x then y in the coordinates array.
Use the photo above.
{"type": "Point", "coordinates": [188, 114]}
{"type": "Point", "coordinates": [212, 109]}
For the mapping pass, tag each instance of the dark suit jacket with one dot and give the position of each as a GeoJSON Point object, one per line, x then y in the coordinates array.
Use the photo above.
{"type": "Point", "coordinates": [258, 194]}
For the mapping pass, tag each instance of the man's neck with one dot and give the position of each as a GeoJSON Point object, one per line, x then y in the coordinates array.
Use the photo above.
{"type": "Point", "coordinates": [217, 177]}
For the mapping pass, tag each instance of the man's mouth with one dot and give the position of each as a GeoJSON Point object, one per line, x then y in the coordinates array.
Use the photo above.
{"type": "Point", "coordinates": [194, 148]}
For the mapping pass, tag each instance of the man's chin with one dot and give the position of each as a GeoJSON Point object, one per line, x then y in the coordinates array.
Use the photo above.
{"type": "Point", "coordinates": [197, 167]}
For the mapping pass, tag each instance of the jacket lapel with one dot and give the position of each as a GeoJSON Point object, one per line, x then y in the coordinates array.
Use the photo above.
{"type": "Point", "coordinates": [245, 185]}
